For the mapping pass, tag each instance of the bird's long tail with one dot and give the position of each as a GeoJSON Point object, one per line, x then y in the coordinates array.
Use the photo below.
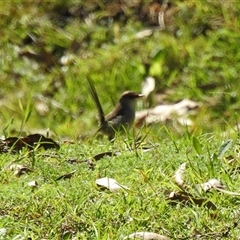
{"type": "Point", "coordinates": [94, 95]}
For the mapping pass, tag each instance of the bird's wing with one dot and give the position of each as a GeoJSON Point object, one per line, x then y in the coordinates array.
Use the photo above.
{"type": "Point", "coordinates": [94, 95]}
{"type": "Point", "coordinates": [116, 112]}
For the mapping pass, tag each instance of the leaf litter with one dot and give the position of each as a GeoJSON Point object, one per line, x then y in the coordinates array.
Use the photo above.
{"type": "Point", "coordinates": [66, 175]}
{"type": "Point", "coordinates": [162, 113]}
{"type": "Point", "coordinates": [146, 236]}
{"type": "Point", "coordinates": [19, 169]}
{"type": "Point", "coordinates": [110, 184]}
{"type": "Point", "coordinates": [16, 144]}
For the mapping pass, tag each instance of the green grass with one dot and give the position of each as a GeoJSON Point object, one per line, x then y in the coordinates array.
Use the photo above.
{"type": "Point", "coordinates": [196, 56]}
{"type": "Point", "coordinates": [78, 208]}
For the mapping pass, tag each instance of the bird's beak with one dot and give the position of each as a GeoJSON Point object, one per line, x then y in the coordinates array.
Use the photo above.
{"type": "Point", "coordinates": [139, 95]}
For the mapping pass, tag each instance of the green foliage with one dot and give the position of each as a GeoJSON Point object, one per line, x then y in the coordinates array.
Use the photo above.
{"type": "Point", "coordinates": [49, 48]}
{"type": "Point", "coordinates": [197, 145]}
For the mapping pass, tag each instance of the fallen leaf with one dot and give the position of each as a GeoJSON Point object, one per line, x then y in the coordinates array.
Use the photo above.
{"type": "Point", "coordinates": [187, 198]}
{"type": "Point", "coordinates": [67, 59]}
{"type": "Point", "coordinates": [148, 86]}
{"type": "Point", "coordinates": [42, 108]}
{"type": "Point", "coordinates": [209, 86]}
{"type": "Point", "coordinates": [110, 184]}
{"type": "Point", "coordinates": [38, 139]}
{"type": "Point", "coordinates": [66, 176]}
{"type": "Point", "coordinates": [162, 113]}
{"type": "Point", "coordinates": [33, 184]}
{"type": "Point", "coordinates": [104, 154]}
{"type": "Point", "coordinates": [217, 185]}
{"type": "Point", "coordinates": [146, 236]}
{"type": "Point", "coordinates": [42, 56]}
{"type": "Point", "coordinates": [144, 33]}
{"type": "Point", "coordinates": [30, 141]}
{"type": "Point", "coordinates": [211, 184]}
{"type": "Point", "coordinates": [19, 169]}
{"type": "Point", "coordinates": [89, 162]}
{"type": "Point", "coordinates": [179, 174]}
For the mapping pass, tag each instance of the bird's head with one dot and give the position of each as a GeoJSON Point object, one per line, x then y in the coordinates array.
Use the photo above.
{"type": "Point", "coordinates": [129, 97]}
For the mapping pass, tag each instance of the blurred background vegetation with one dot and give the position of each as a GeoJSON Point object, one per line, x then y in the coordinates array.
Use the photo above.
{"type": "Point", "coordinates": [48, 48]}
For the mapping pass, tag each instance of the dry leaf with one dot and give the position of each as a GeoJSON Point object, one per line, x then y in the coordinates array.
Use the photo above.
{"type": "Point", "coordinates": [102, 155]}
{"type": "Point", "coordinates": [90, 162]}
{"type": "Point", "coordinates": [19, 169]}
{"type": "Point", "coordinates": [110, 184]}
{"type": "Point", "coordinates": [146, 236]}
{"type": "Point", "coordinates": [42, 108]}
{"type": "Point", "coordinates": [66, 176]}
{"type": "Point", "coordinates": [211, 184]}
{"type": "Point", "coordinates": [42, 56]}
{"type": "Point", "coordinates": [187, 198]}
{"type": "Point", "coordinates": [162, 113]}
{"type": "Point", "coordinates": [144, 33]}
{"type": "Point", "coordinates": [33, 184]}
{"type": "Point", "coordinates": [30, 141]}
{"type": "Point", "coordinates": [148, 86]}
{"type": "Point", "coordinates": [215, 184]}
{"type": "Point", "coordinates": [67, 59]}
{"type": "Point", "coordinates": [179, 176]}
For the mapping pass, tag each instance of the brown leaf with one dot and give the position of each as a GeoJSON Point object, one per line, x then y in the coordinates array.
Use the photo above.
{"type": "Point", "coordinates": [66, 176]}
{"type": "Point", "coordinates": [102, 155]}
{"type": "Point", "coordinates": [75, 46]}
{"type": "Point", "coordinates": [146, 236]}
{"type": "Point", "coordinates": [42, 56]}
{"type": "Point", "coordinates": [31, 141]}
{"type": "Point", "coordinates": [187, 198]}
{"type": "Point", "coordinates": [89, 162]}
{"type": "Point", "coordinates": [19, 169]}
{"type": "Point", "coordinates": [75, 160]}
{"type": "Point", "coordinates": [209, 86]}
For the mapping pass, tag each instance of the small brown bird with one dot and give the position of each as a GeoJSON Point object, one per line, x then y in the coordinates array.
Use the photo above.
{"type": "Point", "coordinates": [123, 115]}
